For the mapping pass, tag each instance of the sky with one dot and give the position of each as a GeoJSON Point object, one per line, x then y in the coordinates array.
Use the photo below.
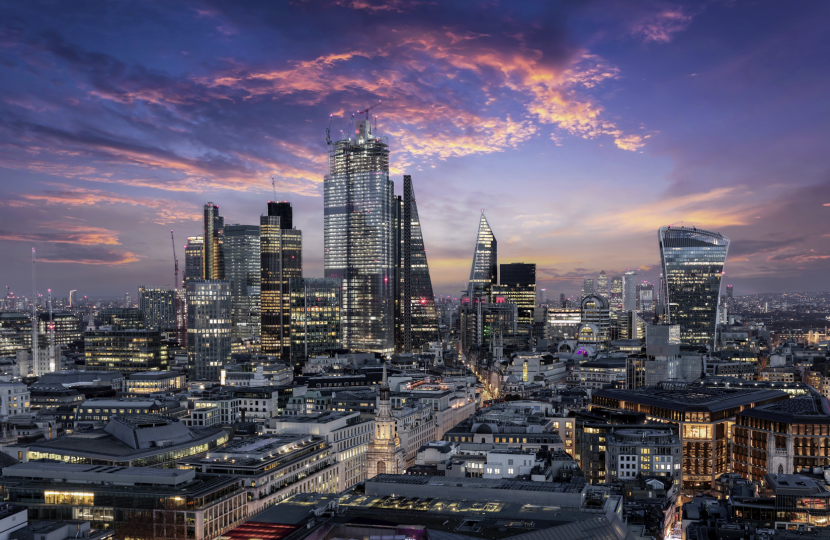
{"type": "Point", "coordinates": [579, 127]}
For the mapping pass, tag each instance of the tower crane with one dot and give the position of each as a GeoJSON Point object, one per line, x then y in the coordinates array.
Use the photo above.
{"type": "Point", "coordinates": [367, 109]}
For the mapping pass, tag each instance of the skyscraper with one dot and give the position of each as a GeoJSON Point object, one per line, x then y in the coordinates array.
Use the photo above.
{"type": "Point", "coordinates": [243, 269]}
{"type": "Point", "coordinates": [693, 262]}
{"type": "Point", "coordinates": [208, 327]}
{"type": "Point", "coordinates": [630, 291]}
{"type": "Point", "coordinates": [616, 294]}
{"type": "Point", "coordinates": [419, 319]}
{"type": "Point", "coordinates": [73, 298]}
{"type": "Point", "coordinates": [518, 284]}
{"type": "Point", "coordinates": [645, 296]}
{"type": "Point", "coordinates": [484, 272]}
{"type": "Point", "coordinates": [602, 284]}
{"type": "Point", "coordinates": [587, 287]}
{"type": "Point", "coordinates": [729, 292]}
{"type": "Point", "coordinates": [212, 261]}
{"type": "Point", "coordinates": [281, 259]}
{"type": "Point", "coordinates": [158, 306]}
{"type": "Point", "coordinates": [359, 238]}
{"type": "Point", "coordinates": [315, 317]}
{"type": "Point", "coordinates": [193, 254]}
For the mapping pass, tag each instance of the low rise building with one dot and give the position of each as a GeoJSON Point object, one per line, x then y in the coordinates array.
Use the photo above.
{"type": "Point", "coordinates": [348, 434]}
{"type": "Point", "coordinates": [259, 403]}
{"type": "Point", "coordinates": [640, 450]}
{"type": "Point", "coordinates": [136, 502]}
{"type": "Point", "coordinates": [126, 441]}
{"type": "Point", "coordinates": [155, 382]}
{"type": "Point", "coordinates": [272, 467]}
{"type": "Point", "coordinates": [15, 398]}
{"type": "Point", "coordinates": [598, 373]}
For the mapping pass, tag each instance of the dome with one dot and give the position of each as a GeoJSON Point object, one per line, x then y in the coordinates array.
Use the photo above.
{"type": "Point", "coordinates": [513, 379]}
{"type": "Point", "coordinates": [484, 429]}
{"type": "Point", "coordinates": [595, 301]}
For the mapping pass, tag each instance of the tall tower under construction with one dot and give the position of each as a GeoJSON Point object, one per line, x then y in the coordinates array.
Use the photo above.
{"type": "Point", "coordinates": [281, 259]}
{"type": "Point", "coordinates": [359, 238]}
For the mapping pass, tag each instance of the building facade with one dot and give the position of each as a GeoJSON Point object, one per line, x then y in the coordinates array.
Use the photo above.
{"type": "Point", "coordinates": [209, 326]}
{"type": "Point", "coordinates": [213, 267]}
{"type": "Point", "coordinates": [114, 349]}
{"type": "Point", "coordinates": [360, 240]}
{"type": "Point", "coordinates": [158, 306]}
{"type": "Point", "coordinates": [315, 317]}
{"type": "Point", "coordinates": [484, 272]}
{"type": "Point", "coordinates": [242, 268]}
{"type": "Point", "coordinates": [692, 262]}
{"type": "Point", "coordinates": [281, 259]}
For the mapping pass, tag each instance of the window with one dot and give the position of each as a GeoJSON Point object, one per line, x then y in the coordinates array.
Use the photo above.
{"type": "Point", "coordinates": [509, 471]}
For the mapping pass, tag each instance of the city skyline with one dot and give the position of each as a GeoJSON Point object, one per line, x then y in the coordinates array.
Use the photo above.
{"type": "Point", "coordinates": [579, 134]}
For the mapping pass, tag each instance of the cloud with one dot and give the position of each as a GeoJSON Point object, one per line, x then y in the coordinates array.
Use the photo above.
{"type": "Point", "coordinates": [88, 255]}
{"type": "Point", "coordinates": [166, 211]}
{"type": "Point", "coordinates": [65, 233]}
{"type": "Point", "coordinates": [662, 26]}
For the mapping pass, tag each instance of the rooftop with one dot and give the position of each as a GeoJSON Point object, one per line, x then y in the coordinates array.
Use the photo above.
{"type": "Point", "coordinates": [691, 396]}
{"type": "Point", "coordinates": [809, 409]}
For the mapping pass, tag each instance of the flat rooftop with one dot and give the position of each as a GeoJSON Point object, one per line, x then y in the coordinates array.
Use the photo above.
{"type": "Point", "coordinates": [691, 396]}
{"type": "Point", "coordinates": [801, 409]}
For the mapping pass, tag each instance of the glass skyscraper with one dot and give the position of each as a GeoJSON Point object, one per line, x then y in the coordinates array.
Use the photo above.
{"type": "Point", "coordinates": [630, 291]}
{"type": "Point", "coordinates": [360, 238]}
{"type": "Point", "coordinates": [213, 266]}
{"type": "Point", "coordinates": [602, 284]}
{"type": "Point", "coordinates": [616, 295]}
{"type": "Point", "coordinates": [158, 305]}
{"type": "Point", "coordinates": [281, 259]}
{"type": "Point", "coordinates": [315, 317]}
{"type": "Point", "coordinates": [692, 262]}
{"type": "Point", "coordinates": [242, 269]}
{"type": "Point", "coordinates": [193, 253]}
{"type": "Point", "coordinates": [518, 284]}
{"type": "Point", "coordinates": [208, 327]}
{"type": "Point", "coordinates": [484, 272]}
{"type": "Point", "coordinates": [419, 318]}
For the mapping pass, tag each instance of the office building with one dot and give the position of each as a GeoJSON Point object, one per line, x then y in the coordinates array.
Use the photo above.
{"type": "Point", "coordinates": [484, 272]}
{"type": "Point", "coordinates": [158, 307]}
{"type": "Point", "coordinates": [193, 254]}
{"type": "Point", "coordinates": [703, 414]}
{"type": "Point", "coordinates": [66, 327]}
{"type": "Point", "coordinates": [594, 329]}
{"type": "Point", "coordinates": [645, 296]}
{"type": "Point", "coordinates": [629, 302]}
{"type": "Point", "coordinates": [281, 259]}
{"type": "Point", "coordinates": [602, 284]}
{"type": "Point", "coordinates": [273, 466]}
{"type": "Point", "coordinates": [692, 261]}
{"type": "Point", "coordinates": [782, 438]}
{"type": "Point", "coordinates": [563, 323]}
{"type": "Point", "coordinates": [135, 502]}
{"type": "Point", "coordinates": [729, 295]}
{"type": "Point", "coordinates": [73, 298]}
{"type": "Point", "coordinates": [144, 440]}
{"type": "Point", "coordinates": [208, 327]}
{"type": "Point", "coordinates": [213, 266]}
{"type": "Point", "coordinates": [518, 285]}
{"type": "Point", "coordinates": [242, 268]}
{"type": "Point", "coordinates": [127, 350]}
{"type": "Point", "coordinates": [616, 293]}
{"type": "Point", "coordinates": [587, 287]}
{"type": "Point", "coordinates": [418, 316]}
{"type": "Point", "coordinates": [360, 240]}
{"type": "Point", "coordinates": [124, 318]}
{"type": "Point", "coordinates": [642, 450]}
{"type": "Point", "coordinates": [315, 318]}
{"type": "Point", "coordinates": [348, 433]}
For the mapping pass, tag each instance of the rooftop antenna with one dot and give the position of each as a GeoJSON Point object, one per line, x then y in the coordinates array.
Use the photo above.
{"type": "Point", "coordinates": [273, 182]}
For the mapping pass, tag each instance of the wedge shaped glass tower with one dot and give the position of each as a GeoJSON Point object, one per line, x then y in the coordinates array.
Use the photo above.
{"type": "Point", "coordinates": [693, 262]}
{"type": "Point", "coordinates": [419, 317]}
{"type": "Point", "coordinates": [484, 273]}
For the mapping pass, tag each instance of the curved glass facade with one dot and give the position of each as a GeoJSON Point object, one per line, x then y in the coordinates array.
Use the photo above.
{"type": "Point", "coordinates": [693, 262]}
